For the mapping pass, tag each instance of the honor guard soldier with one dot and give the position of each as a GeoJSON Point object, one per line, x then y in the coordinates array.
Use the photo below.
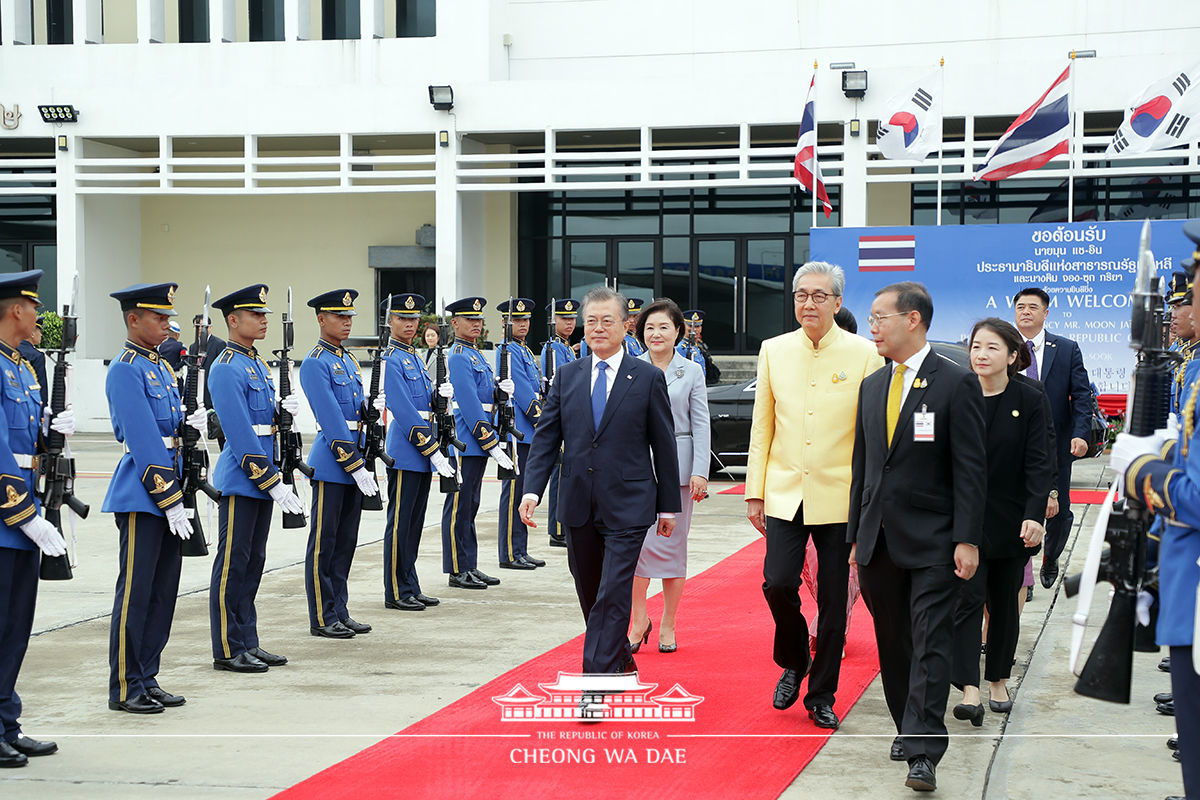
{"type": "Point", "coordinates": [413, 449]}
{"type": "Point", "coordinates": [333, 384]}
{"type": "Point", "coordinates": [243, 395]}
{"type": "Point", "coordinates": [565, 312]}
{"type": "Point", "coordinates": [474, 387]}
{"type": "Point", "coordinates": [36, 358]}
{"type": "Point", "coordinates": [527, 407]}
{"type": "Point", "coordinates": [1183, 334]}
{"type": "Point", "coordinates": [147, 499]}
{"type": "Point", "coordinates": [23, 530]}
{"type": "Point", "coordinates": [632, 346]}
{"type": "Point", "coordinates": [690, 346]}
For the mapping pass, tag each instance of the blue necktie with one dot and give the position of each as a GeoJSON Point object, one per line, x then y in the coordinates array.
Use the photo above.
{"type": "Point", "coordinates": [1032, 370]}
{"type": "Point", "coordinates": [599, 394]}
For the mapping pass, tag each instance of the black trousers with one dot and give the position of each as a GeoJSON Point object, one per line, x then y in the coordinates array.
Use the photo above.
{"type": "Point", "coordinates": [144, 603]}
{"type": "Point", "coordinates": [1185, 685]}
{"type": "Point", "coordinates": [1058, 527]}
{"type": "Point", "coordinates": [995, 584]}
{"type": "Point", "coordinates": [513, 539]}
{"type": "Point", "coordinates": [237, 573]}
{"type": "Point", "coordinates": [913, 610]}
{"type": "Point", "coordinates": [408, 497]}
{"type": "Point", "coordinates": [460, 545]}
{"type": "Point", "coordinates": [602, 562]}
{"type": "Point", "coordinates": [336, 512]}
{"type": "Point", "coordinates": [18, 595]}
{"type": "Point", "coordinates": [787, 542]}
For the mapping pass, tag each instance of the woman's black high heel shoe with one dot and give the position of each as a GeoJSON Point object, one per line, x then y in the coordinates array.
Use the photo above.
{"type": "Point", "coordinates": [634, 647]}
{"type": "Point", "coordinates": [973, 713]}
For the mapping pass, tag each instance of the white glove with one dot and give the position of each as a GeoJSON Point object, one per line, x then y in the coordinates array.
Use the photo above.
{"type": "Point", "coordinates": [380, 403]}
{"type": "Point", "coordinates": [446, 390]}
{"type": "Point", "coordinates": [1128, 447]}
{"type": "Point", "coordinates": [282, 494]}
{"type": "Point", "coordinates": [501, 457]}
{"type": "Point", "coordinates": [1171, 432]}
{"type": "Point", "coordinates": [1144, 601]}
{"type": "Point", "coordinates": [45, 536]}
{"type": "Point", "coordinates": [507, 386]}
{"type": "Point", "coordinates": [442, 464]}
{"type": "Point", "coordinates": [198, 419]}
{"type": "Point", "coordinates": [290, 404]}
{"type": "Point", "coordinates": [64, 422]}
{"type": "Point", "coordinates": [178, 522]}
{"type": "Point", "coordinates": [366, 482]}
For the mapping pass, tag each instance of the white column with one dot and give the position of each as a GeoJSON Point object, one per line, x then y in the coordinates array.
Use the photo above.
{"type": "Point", "coordinates": [150, 21]}
{"type": "Point", "coordinates": [370, 19]}
{"type": "Point", "coordinates": [297, 22]}
{"type": "Point", "coordinates": [446, 216]}
{"type": "Point", "coordinates": [17, 20]}
{"type": "Point", "coordinates": [88, 21]}
{"type": "Point", "coordinates": [854, 183]}
{"type": "Point", "coordinates": [222, 21]}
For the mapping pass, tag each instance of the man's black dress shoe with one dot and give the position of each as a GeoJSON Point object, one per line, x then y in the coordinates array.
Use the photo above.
{"type": "Point", "coordinates": [554, 542]}
{"type": "Point", "coordinates": [1028, 594]}
{"type": "Point", "coordinates": [485, 578]}
{"type": "Point", "coordinates": [537, 562]}
{"type": "Point", "coordinates": [628, 666]}
{"type": "Point", "coordinates": [140, 704]}
{"type": "Point", "coordinates": [517, 564]}
{"type": "Point", "coordinates": [165, 699]}
{"type": "Point", "coordinates": [409, 603]}
{"type": "Point", "coordinates": [426, 600]}
{"type": "Point", "coordinates": [1167, 708]}
{"type": "Point", "coordinates": [270, 659]}
{"type": "Point", "coordinates": [823, 717]}
{"type": "Point", "coordinates": [10, 757]}
{"type": "Point", "coordinates": [787, 690]}
{"type": "Point", "coordinates": [1049, 573]}
{"type": "Point", "coordinates": [1165, 665]}
{"type": "Point", "coordinates": [1163, 697]}
{"type": "Point", "coordinates": [1173, 743]}
{"type": "Point", "coordinates": [465, 580]}
{"type": "Point", "coordinates": [242, 662]}
{"type": "Point", "coordinates": [32, 747]}
{"type": "Point", "coordinates": [897, 753]}
{"type": "Point", "coordinates": [334, 630]}
{"type": "Point", "coordinates": [1175, 755]}
{"type": "Point", "coordinates": [973, 713]}
{"type": "Point", "coordinates": [357, 627]}
{"type": "Point", "coordinates": [921, 777]}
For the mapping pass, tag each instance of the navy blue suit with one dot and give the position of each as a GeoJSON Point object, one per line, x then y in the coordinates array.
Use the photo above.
{"type": "Point", "coordinates": [608, 494]}
{"type": "Point", "coordinates": [1061, 371]}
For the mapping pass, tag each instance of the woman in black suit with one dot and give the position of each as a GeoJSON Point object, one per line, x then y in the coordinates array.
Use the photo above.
{"type": "Point", "coordinates": [1020, 477]}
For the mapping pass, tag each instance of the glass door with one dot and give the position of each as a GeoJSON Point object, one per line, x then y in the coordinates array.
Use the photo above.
{"type": "Point", "coordinates": [761, 292]}
{"type": "Point", "coordinates": [716, 280]}
{"type": "Point", "coordinates": [587, 266]}
{"type": "Point", "coordinates": [635, 269]}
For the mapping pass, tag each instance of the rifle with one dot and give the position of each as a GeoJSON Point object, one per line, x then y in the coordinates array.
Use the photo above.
{"type": "Point", "coordinates": [55, 467]}
{"type": "Point", "coordinates": [550, 334]}
{"type": "Point", "coordinates": [289, 445]}
{"type": "Point", "coordinates": [505, 413]}
{"type": "Point", "coordinates": [195, 458]}
{"type": "Point", "coordinates": [690, 349]}
{"type": "Point", "coordinates": [373, 439]}
{"type": "Point", "coordinates": [1108, 672]}
{"type": "Point", "coordinates": [442, 419]}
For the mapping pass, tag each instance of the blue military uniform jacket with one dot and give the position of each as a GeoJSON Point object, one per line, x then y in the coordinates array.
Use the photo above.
{"type": "Point", "coordinates": [563, 354]}
{"type": "Point", "coordinates": [146, 412]}
{"type": "Point", "coordinates": [697, 356]}
{"type": "Point", "coordinates": [527, 380]}
{"type": "Point", "coordinates": [474, 391]}
{"type": "Point", "coordinates": [409, 389]}
{"type": "Point", "coordinates": [22, 402]}
{"type": "Point", "coordinates": [243, 396]}
{"type": "Point", "coordinates": [333, 384]}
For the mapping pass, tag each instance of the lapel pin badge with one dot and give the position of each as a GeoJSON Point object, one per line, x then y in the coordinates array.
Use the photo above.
{"type": "Point", "coordinates": [920, 383]}
{"type": "Point", "coordinates": [839, 377]}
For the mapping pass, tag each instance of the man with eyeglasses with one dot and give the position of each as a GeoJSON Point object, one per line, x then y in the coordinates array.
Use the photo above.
{"type": "Point", "coordinates": [798, 481]}
{"type": "Point", "coordinates": [916, 516]}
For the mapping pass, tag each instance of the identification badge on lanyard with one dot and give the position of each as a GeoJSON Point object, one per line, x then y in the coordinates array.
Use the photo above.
{"type": "Point", "coordinates": [923, 426]}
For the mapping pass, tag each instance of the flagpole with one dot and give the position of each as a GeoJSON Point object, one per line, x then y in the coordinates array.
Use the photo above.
{"type": "Point", "coordinates": [813, 224]}
{"type": "Point", "coordinates": [1071, 145]}
{"type": "Point", "coordinates": [942, 138]}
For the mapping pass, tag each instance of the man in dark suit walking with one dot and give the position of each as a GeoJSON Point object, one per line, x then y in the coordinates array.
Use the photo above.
{"type": "Point", "coordinates": [611, 416]}
{"type": "Point", "coordinates": [1058, 364]}
{"type": "Point", "coordinates": [916, 500]}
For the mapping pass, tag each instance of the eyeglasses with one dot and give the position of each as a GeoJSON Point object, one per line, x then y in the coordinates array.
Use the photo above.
{"type": "Point", "coordinates": [606, 322]}
{"type": "Point", "coordinates": [819, 298]}
{"type": "Point", "coordinates": [875, 319]}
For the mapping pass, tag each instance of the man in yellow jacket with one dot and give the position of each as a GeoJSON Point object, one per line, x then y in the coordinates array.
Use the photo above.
{"type": "Point", "coordinates": [798, 480]}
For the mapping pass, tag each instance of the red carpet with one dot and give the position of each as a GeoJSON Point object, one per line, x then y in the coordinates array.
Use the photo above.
{"type": "Point", "coordinates": [1078, 496]}
{"type": "Point", "coordinates": [737, 489]}
{"type": "Point", "coordinates": [736, 746]}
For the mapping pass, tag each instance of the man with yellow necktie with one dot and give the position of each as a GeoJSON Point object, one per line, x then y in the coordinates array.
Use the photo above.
{"type": "Point", "coordinates": [916, 516]}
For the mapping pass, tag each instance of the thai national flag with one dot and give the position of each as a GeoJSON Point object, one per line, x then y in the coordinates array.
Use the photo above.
{"type": "Point", "coordinates": [807, 170]}
{"type": "Point", "coordinates": [1037, 136]}
{"type": "Point", "coordinates": [887, 253]}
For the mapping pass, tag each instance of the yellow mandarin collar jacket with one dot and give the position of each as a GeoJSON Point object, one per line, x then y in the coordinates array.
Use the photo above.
{"type": "Point", "coordinates": [802, 437]}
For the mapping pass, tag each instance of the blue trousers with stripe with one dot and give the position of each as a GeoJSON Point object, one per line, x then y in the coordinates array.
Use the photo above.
{"type": "Point", "coordinates": [513, 538]}
{"type": "Point", "coordinates": [144, 603]}
{"type": "Point", "coordinates": [553, 526]}
{"type": "Point", "coordinates": [237, 572]}
{"type": "Point", "coordinates": [18, 595]}
{"type": "Point", "coordinates": [460, 549]}
{"type": "Point", "coordinates": [332, 537]}
{"type": "Point", "coordinates": [408, 497]}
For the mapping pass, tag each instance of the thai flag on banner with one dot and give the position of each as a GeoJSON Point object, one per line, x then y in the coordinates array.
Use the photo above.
{"type": "Point", "coordinates": [911, 125]}
{"type": "Point", "coordinates": [807, 170]}
{"type": "Point", "coordinates": [1162, 116]}
{"type": "Point", "coordinates": [1037, 136]}
{"type": "Point", "coordinates": [896, 253]}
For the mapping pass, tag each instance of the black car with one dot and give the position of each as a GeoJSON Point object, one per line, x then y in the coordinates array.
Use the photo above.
{"type": "Point", "coordinates": [731, 410]}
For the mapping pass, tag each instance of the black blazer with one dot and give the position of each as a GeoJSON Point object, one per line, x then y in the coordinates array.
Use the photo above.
{"type": "Point", "coordinates": [608, 475]}
{"type": "Point", "coordinates": [927, 496]}
{"type": "Point", "coordinates": [1061, 370]}
{"type": "Point", "coordinates": [1020, 467]}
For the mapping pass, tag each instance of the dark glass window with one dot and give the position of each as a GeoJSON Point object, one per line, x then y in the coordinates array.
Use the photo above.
{"type": "Point", "coordinates": [340, 19]}
{"type": "Point", "coordinates": [416, 18]}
